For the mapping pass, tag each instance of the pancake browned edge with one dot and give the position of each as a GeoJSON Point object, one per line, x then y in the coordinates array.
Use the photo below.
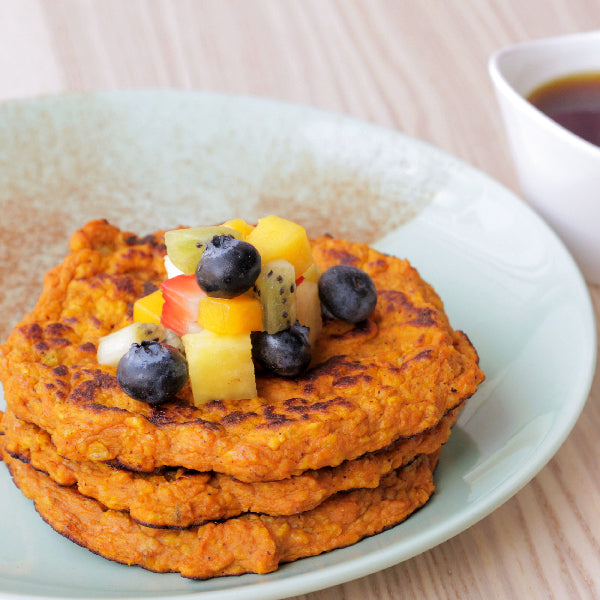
{"type": "Point", "coordinates": [180, 498]}
{"type": "Point", "coordinates": [251, 543]}
{"type": "Point", "coordinates": [393, 376]}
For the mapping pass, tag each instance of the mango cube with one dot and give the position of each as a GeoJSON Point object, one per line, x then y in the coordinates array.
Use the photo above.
{"type": "Point", "coordinates": [275, 237]}
{"type": "Point", "coordinates": [230, 316]}
{"type": "Point", "coordinates": [239, 225]}
{"type": "Point", "coordinates": [220, 366]}
{"type": "Point", "coordinates": [149, 308]}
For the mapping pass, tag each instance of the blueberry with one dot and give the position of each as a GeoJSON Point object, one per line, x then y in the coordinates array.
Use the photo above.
{"type": "Point", "coordinates": [152, 372]}
{"type": "Point", "coordinates": [228, 267]}
{"type": "Point", "coordinates": [347, 293]}
{"type": "Point", "coordinates": [285, 353]}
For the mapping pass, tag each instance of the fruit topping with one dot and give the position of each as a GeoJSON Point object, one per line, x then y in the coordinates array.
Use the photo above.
{"type": "Point", "coordinates": [182, 298]}
{"type": "Point", "coordinates": [230, 316]}
{"type": "Point", "coordinates": [220, 366]}
{"type": "Point", "coordinates": [228, 268]}
{"type": "Point", "coordinates": [347, 293]}
{"type": "Point", "coordinates": [112, 347]}
{"type": "Point", "coordinates": [285, 353]}
{"type": "Point", "coordinates": [152, 372]}
{"type": "Point", "coordinates": [276, 290]}
{"type": "Point", "coordinates": [241, 297]}
{"type": "Point", "coordinates": [149, 308]}
{"type": "Point", "coordinates": [275, 237]}
{"type": "Point", "coordinates": [185, 247]}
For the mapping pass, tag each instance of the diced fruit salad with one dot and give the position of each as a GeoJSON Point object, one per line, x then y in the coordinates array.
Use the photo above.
{"type": "Point", "coordinates": [238, 297]}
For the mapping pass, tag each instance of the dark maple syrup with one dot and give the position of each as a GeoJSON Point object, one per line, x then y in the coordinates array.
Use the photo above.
{"type": "Point", "coordinates": [573, 102]}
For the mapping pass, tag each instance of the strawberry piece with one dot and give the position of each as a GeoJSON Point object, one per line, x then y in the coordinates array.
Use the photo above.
{"type": "Point", "coordinates": [182, 297]}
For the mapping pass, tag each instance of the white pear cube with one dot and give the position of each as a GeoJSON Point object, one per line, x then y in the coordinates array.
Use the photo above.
{"type": "Point", "coordinates": [309, 309]}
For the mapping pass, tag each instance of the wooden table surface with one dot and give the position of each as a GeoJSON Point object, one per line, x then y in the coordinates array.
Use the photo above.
{"type": "Point", "coordinates": [419, 66]}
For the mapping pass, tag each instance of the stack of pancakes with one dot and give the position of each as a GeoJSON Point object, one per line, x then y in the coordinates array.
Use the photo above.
{"type": "Point", "coordinates": [313, 463]}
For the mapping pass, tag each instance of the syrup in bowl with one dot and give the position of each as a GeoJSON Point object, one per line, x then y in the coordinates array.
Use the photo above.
{"type": "Point", "coordinates": [572, 101]}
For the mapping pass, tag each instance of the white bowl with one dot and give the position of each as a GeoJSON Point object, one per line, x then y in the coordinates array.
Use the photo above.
{"type": "Point", "coordinates": [559, 172]}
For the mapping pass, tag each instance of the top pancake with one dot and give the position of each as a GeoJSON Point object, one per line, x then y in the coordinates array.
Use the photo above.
{"type": "Point", "coordinates": [393, 376]}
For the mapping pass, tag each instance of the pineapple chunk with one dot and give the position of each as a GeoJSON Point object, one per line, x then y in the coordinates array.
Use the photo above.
{"type": "Point", "coordinates": [220, 366]}
{"type": "Point", "coordinates": [239, 225]}
{"type": "Point", "coordinates": [275, 238]}
{"type": "Point", "coordinates": [309, 309]}
{"type": "Point", "coordinates": [230, 316]}
{"type": "Point", "coordinates": [149, 308]}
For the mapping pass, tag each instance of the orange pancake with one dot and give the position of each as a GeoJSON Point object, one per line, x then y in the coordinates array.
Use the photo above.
{"type": "Point", "coordinates": [251, 543]}
{"type": "Point", "coordinates": [180, 498]}
{"type": "Point", "coordinates": [394, 376]}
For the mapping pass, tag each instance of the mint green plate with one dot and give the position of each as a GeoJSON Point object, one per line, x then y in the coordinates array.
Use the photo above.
{"type": "Point", "coordinates": [154, 159]}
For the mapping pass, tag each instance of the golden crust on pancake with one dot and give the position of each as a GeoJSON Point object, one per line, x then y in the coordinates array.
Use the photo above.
{"type": "Point", "coordinates": [394, 376]}
{"type": "Point", "coordinates": [248, 544]}
{"type": "Point", "coordinates": [181, 498]}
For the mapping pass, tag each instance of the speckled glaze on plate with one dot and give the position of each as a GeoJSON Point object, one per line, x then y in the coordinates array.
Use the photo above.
{"type": "Point", "coordinates": [155, 159]}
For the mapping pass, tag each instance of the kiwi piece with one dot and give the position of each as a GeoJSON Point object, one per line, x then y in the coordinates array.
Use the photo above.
{"type": "Point", "coordinates": [276, 289]}
{"type": "Point", "coordinates": [186, 246]}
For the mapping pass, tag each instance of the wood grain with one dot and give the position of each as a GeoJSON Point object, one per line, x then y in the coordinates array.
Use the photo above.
{"type": "Point", "coordinates": [419, 66]}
